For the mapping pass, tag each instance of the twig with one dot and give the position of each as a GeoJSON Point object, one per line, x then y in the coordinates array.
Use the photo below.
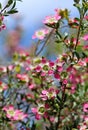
{"type": "Point", "coordinates": [78, 34]}
{"type": "Point", "coordinates": [45, 42]}
{"type": "Point", "coordinates": [36, 47]}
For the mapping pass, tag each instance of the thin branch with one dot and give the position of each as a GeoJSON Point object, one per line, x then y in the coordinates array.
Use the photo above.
{"type": "Point", "coordinates": [45, 42]}
{"type": "Point", "coordinates": [36, 47]}
{"type": "Point", "coordinates": [78, 34]}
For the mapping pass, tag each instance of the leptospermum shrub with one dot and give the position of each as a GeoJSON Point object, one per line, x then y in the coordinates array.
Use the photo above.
{"type": "Point", "coordinates": [40, 94]}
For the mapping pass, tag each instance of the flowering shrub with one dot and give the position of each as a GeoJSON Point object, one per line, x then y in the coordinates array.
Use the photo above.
{"type": "Point", "coordinates": [37, 93]}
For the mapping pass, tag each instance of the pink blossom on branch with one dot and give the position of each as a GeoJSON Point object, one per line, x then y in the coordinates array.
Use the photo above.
{"type": "Point", "coordinates": [13, 114]}
{"type": "Point", "coordinates": [3, 86]}
{"type": "Point", "coordinates": [40, 34]}
{"type": "Point", "coordinates": [85, 37]}
{"type": "Point", "coordinates": [86, 17]}
{"type": "Point", "coordinates": [51, 19]}
{"type": "Point", "coordinates": [85, 107]}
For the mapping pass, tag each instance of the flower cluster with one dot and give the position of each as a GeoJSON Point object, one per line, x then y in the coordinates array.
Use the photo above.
{"type": "Point", "coordinates": [48, 86]}
{"type": "Point", "coordinates": [2, 25]}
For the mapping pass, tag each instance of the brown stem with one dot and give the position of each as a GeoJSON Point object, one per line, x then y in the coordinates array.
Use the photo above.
{"type": "Point", "coordinates": [45, 42]}
{"type": "Point", "coordinates": [78, 34]}
{"type": "Point", "coordinates": [61, 107]}
{"type": "Point", "coordinates": [37, 47]}
{"type": "Point", "coordinates": [3, 9]}
{"type": "Point", "coordinates": [57, 124]}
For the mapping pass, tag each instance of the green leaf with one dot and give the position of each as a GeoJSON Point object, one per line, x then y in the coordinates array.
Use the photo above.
{"type": "Point", "coordinates": [14, 4]}
{"type": "Point", "coordinates": [0, 6]}
{"type": "Point", "coordinates": [78, 6]}
{"type": "Point", "coordinates": [76, 1]}
{"type": "Point", "coordinates": [47, 128]}
{"type": "Point", "coordinates": [13, 11]}
{"type": "Point", "coordinates": [18, 68]}
{"type": "Point", "coordinates": [37, 80]}
{"type": "Point", "coordinates": [9, 3]}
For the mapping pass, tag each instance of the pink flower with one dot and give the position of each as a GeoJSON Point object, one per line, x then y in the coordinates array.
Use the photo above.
{"type": "Point", "coordinates": [3, 86]}
{"type": "Point", "coordinates": [31, 86]}
{"type": "Point", "coordinates": [44, 95]}
{"type": "Point", "coordinates": [85, 107]}
{"type": "Point", "coordinates": [73, 89]}
{"type": "Point", "coordinates": [65, 81]}
{"type": "Point", "coordinates": [57, 76]}
{"type": "Point", "coordinates": [22, 77]}
{"type": "Point", "coordinates": [52, 19]}
{"type": "Point", "coordinates": [30, 96]}
{"type": "Point", "coordinates": [40, 34]}
{"type": "Point", "coordinates": [3, 69]}
{"type": "Point", "coordinates": [57, 10]}
{"type": "Point", "coordinates": [86, 60]}
{"type": "Point", "coordinates": [48, 94]}
{"type": "Point", "coordinates": [38, 68]}
{"type": "Point", "coordinates": [85, 38]}
{"type": "Point", "coordinates": [43, 73]}
{"type": "Point", "coordinates": [1, 18]}
{"type": "Point", "coordinates": [3, 26]}
{"type": "Point", "coordinates": [10, 113]}
{"type": "Point", "coordinates": [50, 72]}
{"type": "Point", "coordinates": [44, 60]}
{"type": "Point", "coordinates": [38, 112]}
{"type": "Point", "coordinates": [13, 114]}
{"type": "Point", "coordinates": [83, 127]}
{"type": "Point", "coordinates": [10, 67]}
{"type": "Point", "coordinates": [46, 115]}
{"type": "Point", "coordinates": [74, 23]}
{"type": "Point", "coordinates": [71, 42]}
{"type": "Point", "coordinates": [51, 63]}
{"type": "Point", "coordinates": [59, 68]}
{"type": "Point", "coordinates": [86, 119]}
{"type": "Point", "coordinates": [19, 115]}
{"type": "Point", "coordinates": [52, 119]}
{"type": "Point", "coordinates": [85, 47]}
{"type": "Point", "coordinates": [82, 62]}
{"type": "Point", "coordinates": [34, 110]}
{"type": "Point", "coordinates": [37, 116]}
{"type": "Point", "coordinates": [86, 17]}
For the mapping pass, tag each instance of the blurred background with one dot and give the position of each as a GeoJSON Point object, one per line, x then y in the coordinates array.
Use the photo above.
{"type": "Point", "coordinates": [21, 27]}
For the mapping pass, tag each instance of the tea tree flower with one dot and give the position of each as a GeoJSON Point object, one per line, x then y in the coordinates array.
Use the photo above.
{"type": "Point", "coordinates": [10, 113]}
{"type": "Point", "coordinates": [86, 17]}
{"type": "Point", "coordinates": [13, 114]}
{"type": "Point", "coordinates": [51, 19]}
{"type": "Point", "coordinates": [22, 77]}
{"type": "Point", "coordinates": [48, 94]}
{"type": "Point", "coordinates": [85, 107]}
{"type": "Point", "coordinates": [85, 38]}
{"type": "Point", "coordinates": [3, 86]}
{"type": "Point", "coordinates": [40, 34]}
{"type": "Point", "coordinates": [2, 25]}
